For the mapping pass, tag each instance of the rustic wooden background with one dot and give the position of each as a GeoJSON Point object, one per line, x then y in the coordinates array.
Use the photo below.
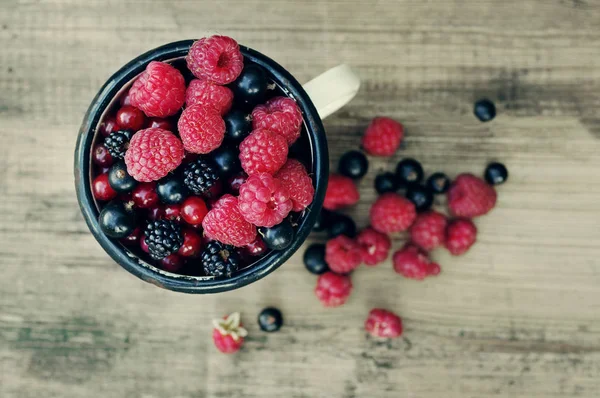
{"type": "Point", "coordinates": [518, 316]}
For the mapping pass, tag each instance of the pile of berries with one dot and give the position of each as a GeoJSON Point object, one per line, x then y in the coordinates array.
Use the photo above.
{"type": "Point", "coordinates": [193, 174]}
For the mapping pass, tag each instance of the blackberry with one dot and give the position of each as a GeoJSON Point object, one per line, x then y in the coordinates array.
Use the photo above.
{"type": "Point", "coordinates": [200, 176]}
{"type": "Point", "coordinates": [219, 259]}
{"type": "Point", "coordinates": [117, 143]}
{"type": "Point", "coordinates": [163, 237]}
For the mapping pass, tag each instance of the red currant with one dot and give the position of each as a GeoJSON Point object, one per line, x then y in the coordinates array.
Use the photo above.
{"type": "Point", "coordinates": [235, 182]}
{"type": "Point", "coordinates": [156, 213]}
{"type": "Point", "coordinates": [101, 156]}
{"type": "Point", "coordinates": [131, 118]}
{"type": "Point", "coordinates": [172, 263]}
{"type": "Point", "coordinates": [125, 99]}
{"type": "Point", "coordinates": [192, 244]}
{"type": "Point", "coordinates": [132, 239]}
{"type": "Point", "coordinates": [172, 212]}
{"type": "Point", "coordinates": [165, 124]}
{"type": "Point", "coordinates": [144, 195]}
{"type": "Point", "coordinates": [102, 189]}
{"type": "Point", "coordinates": [143, 244]}
{"type": "Point", "coordinates": [108, 126]}
{"type": "Point", "coordinates": [193, 210]}
{"type": "Point", "coordinates": [256, 248]}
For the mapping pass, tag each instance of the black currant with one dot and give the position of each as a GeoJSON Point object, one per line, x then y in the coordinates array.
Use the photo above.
{"type": "Point", "coordinates": [250, 88]}
{"type": "Point", "coordinates": [270, 320]}
{"type": "Point", "coordinates": [438, 183]}
{"type": "Point", "coordinates": [278, 237]}
{"type": "Point", "coordinates": [119, 179]}
{"type": "Point", "coordinates": [496, 173]}
{"type": "Point", "coordinates": [386, 182]}
{"type": "Point", "coordinates": [484, 110]}
{"type": "Point", "coordinates": [409, 171]}
{"type": "Point", "coordinates": [353, 164]}
{"type": "Point", "coordinates": [172, 190]}
{"type": "Point", "coordinates": [238, 125]}
{"type": "Point", "coordinates": [117, 219]}
{"type": "Point", "coordinates": [314, 259]}
{"type": "Point", "coordinates": [421, 197]}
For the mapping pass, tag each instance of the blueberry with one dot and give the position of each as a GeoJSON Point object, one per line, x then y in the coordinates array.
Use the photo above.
{"type": "Point", "coordinates": [119, 179]}
{"type": "Point", "coordinates": [353, 164]}
{"type": "Point", "coordinates": [484, 110]}
{"type": "Point", "coordinates": [409, 171]}
{"type": "Point", "coordinates": [172, 190]}
{"type": "Point", "coordinates": [250, 88]}
{"type": "Point", "coordinates": [278, 237]}
{"type": "Point", "coordinates": [321, 222]}
{"type": "Point", "coordinates": [386, 182]}
{"type": "Point", "coordinates": [227, 160]}
{"type": "Point", "coordinates": [438, 183]}
{"type": "Point", "coordinates": [314, 259]}
{"type": "Point", "coordinates": [238, 126]}
{"type": "Point", "coordinates": [496, 173]}
{"type": "Point", "coordinates": [340, 224]}
{"type": "Point", "coordinates": [117, 220]}
{"type": "Point", "coordinates": [421, 197]}
{"type": "Point", "coordinates": [270, 320]}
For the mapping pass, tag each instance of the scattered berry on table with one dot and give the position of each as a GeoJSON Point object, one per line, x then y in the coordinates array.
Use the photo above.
{"type": "Point", "coordinates": [250, 88]}
{"type": "Point", "coordinates": [438, 183]}
{"type": "Point", "coordinates": [386, 182]}
{"type": "Point", "coordinates": [193, 210]}
{"type": "Point", "coordinates": [314, 259]}
{"type": "Point", "coordinates": [294, 177]}
{"type": "Point", "coordinates": [270, 320]}
{"type": "Point", "coordinates": [119, 179]}
{"type": "Point", "coordinates": [163, 237]}
{"type": "Point", "coordinates": [461, 234]}
{"type": "Point", "coordinates": [341, 192]}
{"type": "Point", "coordinates": [117, 220]}
{"type": "Point", "coordinates": [144, 195]}
{"type": "Point", "coordinates": [152, 154]}
{"type": "Point", "coordinates": [280, 115]}
{"type": "Point", "coordinates": [172, 190]}
{"type": "Point", "coordinates": [108, 126]}
{"type": "Point", "coordinates": [412, 262]}
{"type": "Point", "coordinates": [235, 182]}
{"type": "Point", "coordinates": [353, 164]}
{"type": "Point", "coordinates": [264, 201]}
{"type": "Point", "coordinates": [159, 91]}
{"type": "Point", "coordinates": [420, 196]}
{"type": "Point", "coordinates": [201, 129]}
{"type": "Point", "coordinates": [340, 224]}
{"type": "Point", "coordinates": [209, 94]}
{"type": "Point", "coordinates": [429, 230]}
{"type": "Point", "coordinates": [383, 323]}
{"type": "Point", "coordinates": [278, 237]}
{"type": "Point", "coordinates": [496, 173]}
{"type": "Point", "coordinates": [160, 123]}
{"type": "Point", "coordinates": [215, 58]}
{"type": "Point", "coordinates": [171, 263]}
{"type": "Point", "coordinates": [102, 189]}
{"type": "Point", "coordinates": [375, 246]}
{"type": "Point", "coordinates": [171, 212]}
{"type": "Point", "coordinates": [225, 223]}
{"type": "Point", "coordinates": [263, 151]}
{"type": "Point", "coordinates": [409, 171]}
{"type": "Point", "coordinates": [256, 248]}
{"type": "Point", "coordinates": [101, 156]}
{"type": "Point", "coordinates": [192, 243]}
{"type": "Point", "coordinates": [382, 137]}
{"type": "Point", "coordinates": [470, 196]}
{"type": "Point", "coordinates": [227, 160]}
{"type": "Point", "coordinates": [343, 254]}
{"type": "Point", "coordinates": [130, 118]}
{"type": "Point", "coordinates": [200, 176]}
{"type": "Point", "coordinates": [219, 259]}
{"type": "Point", "coordinates": [392, 213]}
{"type": "Point", "coordinates": [484, 110]}
{"type": "Point", "coordinates": [118, 142]}
{"type": "Point", "coordinates": [228, 333]}
{"type": "Point", "coordinates": [332, 289]}
{"type": "Point", "coordinates": [238, 125]}
{"type": "Point", "coordinates": [133, 238]}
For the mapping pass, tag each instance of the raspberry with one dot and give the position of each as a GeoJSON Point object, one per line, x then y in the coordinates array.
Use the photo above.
{"type": "Point", "coordinates": [228, 333]}
{"type": "Point", "coordinates": [429, 230]}
{"type": "Point", "coordinates": [382, 137]}
{"type": "Point", "coordinates": [201, 129]}
{"type": "Point", "coordinates": [413, 263]}
{"type": "Point", "coordinates": [263, 152]}
{"type": "Point", "coordinates": [225, 223]}
{"type": "Point", "coordinates": [294, 177]}
{"type": "Point", "coordinates": [280, 115]}
{"type": "Point", "coordinates": [375, 246]}
{"type": "Point", "coordinates": [392, 213]}
{"type": "Point", "coordinates": [383, 323]}
{"type": "Point", "coordinates": [332, 289]}
{"type": "Point", "coordinates": [264, 201]}
{"type": "Point", "coordinates": [152, 154]}
{"type": "Point", "coordinates": [209, 94]}
{"type": "Point", "coordinates": [216, 58]}
{"type": "Point", "coordinates": [341, 192]}
{"type": "Point", "coordinates": [159, 91]}
{"type": "Point", "coordinates": [470, 196]}
{"type": "Point", "coordinates": [343, 254]}
{"type": "Point", "coordinates": [460, 236]}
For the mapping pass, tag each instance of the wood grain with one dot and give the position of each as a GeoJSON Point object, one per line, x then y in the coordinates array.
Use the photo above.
{"type": "Point", "coordinates": [516, 317]}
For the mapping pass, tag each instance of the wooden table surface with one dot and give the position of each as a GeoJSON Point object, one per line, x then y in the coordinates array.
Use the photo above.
{"type": "Point", "coordinates": [518, 316]}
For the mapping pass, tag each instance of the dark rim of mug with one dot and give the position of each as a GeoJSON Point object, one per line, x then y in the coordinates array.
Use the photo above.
{"type": "Point", "coordinates": [146, 271]}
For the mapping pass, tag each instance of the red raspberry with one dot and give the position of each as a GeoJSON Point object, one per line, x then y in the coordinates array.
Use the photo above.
{"type": "Point", "coordinates": [460, 236]}
{"type": "Point", "coordinates": [209, 94]}
{"type": "Point", "coordinates": [375, 246]}
{"type": "Point", "coordinates": [159, 91]}
{"type": "Point", "coordinates": [264, 201]}
{"type": "Point", "coordinates": [263, 152]}
{"type": "Point", "coordinates": [343, 254]}
{"type": "Point", "coordinates": [229, 333]}
{"type": "Point", "coordinates": [341, 192]}
{"type": "Point", "coordinates": [332, 289]}
{"type": "Point", "coordinates": [225, 223]}
{"type": "Point", "coordinates": [152, 154]}
{"type": "Point", "coordinates": [392, 213]}
{"type": "Point", "coordinates": [294, 177]}
{"type": "Point", "coordinates": [382, 137]}
{"type": "Point", "coordinates": [429, 230]}
{"type": "Point", "coordinates": [470, 196]}
{"type": "Point", "coordinates": [201, 129]}
{"type": "Point", "coordinates": [280, 115]}
{"type": "Point", "coordinates": [413, 263]}
{"type": "Point", "coordinates": [216, 58]}
{"type": "Point", "coordinates": [383, 323]}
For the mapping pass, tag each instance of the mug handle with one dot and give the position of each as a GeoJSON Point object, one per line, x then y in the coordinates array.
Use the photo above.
{"type": "Point", "coordinates": [332, 89]}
